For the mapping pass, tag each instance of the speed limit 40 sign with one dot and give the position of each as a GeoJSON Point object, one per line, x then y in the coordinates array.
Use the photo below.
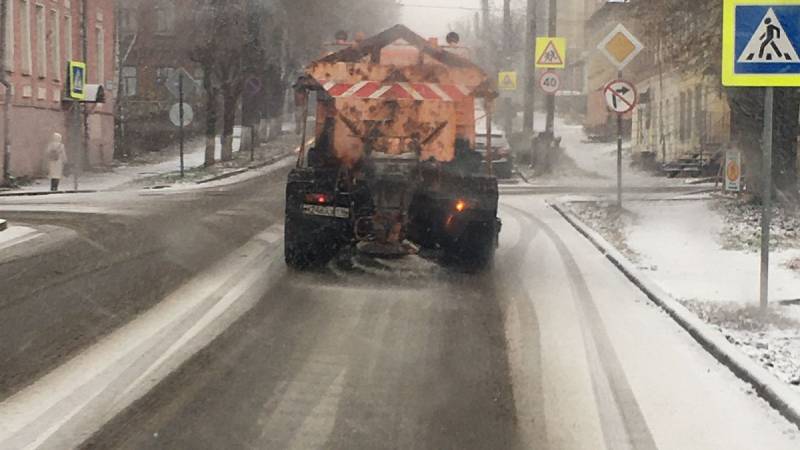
{"type": "Point", "coordinates": [549, 82]}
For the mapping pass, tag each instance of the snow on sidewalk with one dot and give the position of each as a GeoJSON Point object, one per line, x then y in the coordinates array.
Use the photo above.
{"type": "Point", "coordinates": [14, 235]}
{"type": "Point", "coordinates": [123, 174]}
{"type": "Point", "coordinates": [595, 163]}
{"type": "Point", "coordinates": [681, 241]}
{"type": "Point", "coordinates": [680, 245]}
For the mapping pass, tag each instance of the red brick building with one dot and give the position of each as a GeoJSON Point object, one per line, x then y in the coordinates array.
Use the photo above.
{"type": "Point", "coordinates": [41, 36]}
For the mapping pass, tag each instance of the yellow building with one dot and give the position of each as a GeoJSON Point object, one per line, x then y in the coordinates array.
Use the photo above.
{"type": "Point", "coordinates": [680, 114]}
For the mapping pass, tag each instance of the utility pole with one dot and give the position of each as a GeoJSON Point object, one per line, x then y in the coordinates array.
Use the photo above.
{"type": "Point", "coordinates": [7, 96]}
{"type": "Point", "coordinates": [81, 107]}
{"type": "Point", "coordinates": [485, 18]}
{"type": "Point", "coordinates": [766, 197]}
{"type": "Point", "coordinates": [180, 113]}
{"type": "Point", "coordinates": [530, 80]}
{"type": "Point", "coordinates": [552, 17]}
{"type": "Point", "coordinates": [508, 118]}
{"type": "Point", "coordinates": [119, 135]}
{"type": "Point", "coordinates": [486, 37]}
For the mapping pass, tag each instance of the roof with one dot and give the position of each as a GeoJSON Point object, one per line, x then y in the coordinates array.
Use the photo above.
{"type": "Point", "coordinates": [372, 47]}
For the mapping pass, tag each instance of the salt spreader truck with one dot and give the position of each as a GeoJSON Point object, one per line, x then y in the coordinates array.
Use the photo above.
{"type": "Point", "coordinates": [393, 167]}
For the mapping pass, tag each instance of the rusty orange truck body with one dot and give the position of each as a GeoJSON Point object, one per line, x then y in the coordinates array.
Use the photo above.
{"type": "Point", "coordinates": [393, 167]}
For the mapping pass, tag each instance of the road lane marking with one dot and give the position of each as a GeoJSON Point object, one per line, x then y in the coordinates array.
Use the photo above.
{"type": "Point", "coordinates": [67, 405]}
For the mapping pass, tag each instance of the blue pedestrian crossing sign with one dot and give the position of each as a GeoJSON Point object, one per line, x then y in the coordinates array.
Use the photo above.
{"type": "Point", "coordinates": [760, 43]}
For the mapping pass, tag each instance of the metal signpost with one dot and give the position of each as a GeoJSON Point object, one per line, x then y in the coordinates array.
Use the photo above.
{"type": "Point", "coordinates": [551, 53]}
{"type": "Point", "coordinates": [620, 98]}
{"type": "Point", "coordinates": [620, 47]}
{"type": "Point", "coordinates": [76, 91]}
{"type": "Point", "coordinates": [180, 132]}
{"type": "Point", "coordinates": [181, 114]}
{"type": "Point", "coordinates": [173, 83]}
{"type": "Point", "coordinates": [760, 41]}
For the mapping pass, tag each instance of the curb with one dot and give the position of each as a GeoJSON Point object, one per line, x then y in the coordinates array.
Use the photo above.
{"type": "Point", "coordinates": [3, 225]}
{"type": "Point", "coordinates": [782, 398]}
{"type": "Point", "coordinates": [233, 173]}
{"type": "Point", "coordinates": [43, 193]}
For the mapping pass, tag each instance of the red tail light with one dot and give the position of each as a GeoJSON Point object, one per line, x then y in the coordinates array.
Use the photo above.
{"type": "Point", "coordinates": [319, 199]}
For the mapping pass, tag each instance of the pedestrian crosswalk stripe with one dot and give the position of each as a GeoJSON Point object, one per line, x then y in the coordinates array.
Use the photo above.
{"type": "Point", "coordinates": [769, 43]}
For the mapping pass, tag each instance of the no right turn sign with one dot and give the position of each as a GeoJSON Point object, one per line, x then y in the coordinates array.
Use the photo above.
{"type": "Point", "coordinates": [620, 96]}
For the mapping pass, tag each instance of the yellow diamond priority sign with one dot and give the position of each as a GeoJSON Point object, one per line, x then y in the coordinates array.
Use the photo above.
{"type": "Point", "coordinates": [507, 81]}
{"type": "Point", "coordinates": [620, 47]}
{"type": "Point", "coordinates": [551, 52]}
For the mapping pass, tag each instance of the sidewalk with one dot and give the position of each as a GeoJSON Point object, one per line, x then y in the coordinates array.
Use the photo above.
{"type": "Point", "coordinates": [592, 164]}
{"type": "Point", "coordinates": [124, 173]}
{"type": "Point", "coordinates": [700, 251]}
{"type": "Point", "coordinates": [163, 168]}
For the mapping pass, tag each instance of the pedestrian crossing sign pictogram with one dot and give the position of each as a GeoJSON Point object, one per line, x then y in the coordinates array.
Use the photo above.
{"type": "Point", "coordinates": [551, 52]}
{"type": "Point", "coordinates": [507, 81]}
{"type": "Point", "coordinates": [760, 43]}
{"type": "Point", "coordinates": [76, 80]}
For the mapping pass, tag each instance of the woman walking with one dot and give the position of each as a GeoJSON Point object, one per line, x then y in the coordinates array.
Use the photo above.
{"type": "Point", "coordinates": [56, 159]}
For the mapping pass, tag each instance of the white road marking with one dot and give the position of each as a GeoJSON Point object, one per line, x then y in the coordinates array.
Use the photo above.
{"type": "Point", "coordinates": [17, 235]}
{"type": "Point", "coordinates": [66, 406]}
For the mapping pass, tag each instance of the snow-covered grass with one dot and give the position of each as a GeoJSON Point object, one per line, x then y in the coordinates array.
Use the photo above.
{"type": "Point", "coordinates": [700, 251]}
{"type": "Point", "coordinates": [743, 226]}
{"type": "Point", "coordinates": [281, 145]}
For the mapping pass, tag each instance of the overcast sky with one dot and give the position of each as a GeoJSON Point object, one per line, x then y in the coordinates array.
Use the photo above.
{"type": "Point", "coordinates": [434, 19]}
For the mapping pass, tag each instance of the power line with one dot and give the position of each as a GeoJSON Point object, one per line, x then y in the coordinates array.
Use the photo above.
{"type": "Point", "coordinates": [460, 8]}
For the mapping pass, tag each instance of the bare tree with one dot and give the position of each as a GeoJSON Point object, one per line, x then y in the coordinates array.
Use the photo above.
{"type": "Point", "coordinates": [687, 36]}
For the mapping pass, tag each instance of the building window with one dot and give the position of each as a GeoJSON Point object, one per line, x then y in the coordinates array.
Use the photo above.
{"type": "Point", "coordinates": [127, 21]}
{"type": "Point", "coordinates": [682, 117]}
{"type": "Point", "coordinates": [165, 17]}
{"type": "Point", "coordinates": [68, 38]}
{"type": "Point", "coordinates": [676, 124]}
{"type": "Point", "coordinates": [100, 42]}
{"type": "Point", "coordinates": [689, 115]}
{"type": "Point", "coordinates": [699, 115]}
{"type": "Point", "coordinates": [25, 36]}
{"type": "Point", "coordinates": [54, 37]}
{"type": "Point", "coordinates": [163, 74]}
{"type": "Point", "coordinates": [41, 42]}
{"type": "Point", "coordinates": [129, 81]}
{"type": "Point", "coordinates": [9, 37]}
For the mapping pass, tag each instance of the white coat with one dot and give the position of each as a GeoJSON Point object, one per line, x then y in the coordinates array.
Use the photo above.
{"type": "Point", "coordinates": [56, 157]}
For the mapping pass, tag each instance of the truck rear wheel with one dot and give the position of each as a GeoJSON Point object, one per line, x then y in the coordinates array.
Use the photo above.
{"type": "Point", "coordinates": [297, 254]}
{"type": "Point", "coordinates": [474, 250]}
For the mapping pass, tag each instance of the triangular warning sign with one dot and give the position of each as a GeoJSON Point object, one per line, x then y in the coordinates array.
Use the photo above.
{"type": "Point", "coordinates": [508, 82]}
{"type": "Point", "coordinates": [769, 43]}
{"type": "Point", "coordinates": [550, 56]}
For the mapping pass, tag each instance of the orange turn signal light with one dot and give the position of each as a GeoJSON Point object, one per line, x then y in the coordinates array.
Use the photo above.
{"type": "Point", "coordinates": [461, 205]}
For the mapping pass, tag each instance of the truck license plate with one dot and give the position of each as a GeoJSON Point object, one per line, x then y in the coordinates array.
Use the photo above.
{"type": "Point", "coordinates": [326, 211]}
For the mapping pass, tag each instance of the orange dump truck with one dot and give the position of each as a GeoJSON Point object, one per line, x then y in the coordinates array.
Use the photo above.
{"type": "Point", "coordinates": [393, 167]}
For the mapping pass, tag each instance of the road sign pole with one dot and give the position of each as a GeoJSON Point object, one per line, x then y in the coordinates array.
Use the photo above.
{"type": "Point", "coordinates": [550, 100]}
{"type": "Point", "coordinates": [619, 153]}
{"type": "Point", "coordinates": [180, 132]}
{"type": "Point", "coordinates": [766, 200]}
